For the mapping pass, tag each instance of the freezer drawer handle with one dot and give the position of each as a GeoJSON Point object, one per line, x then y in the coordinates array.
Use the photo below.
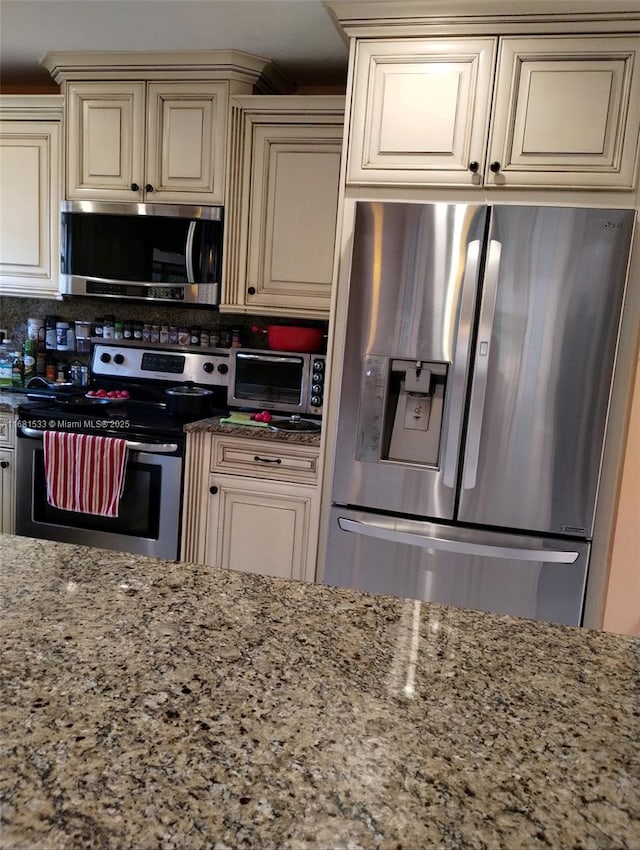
{"type": "Point", "coordinates": [457, 546]}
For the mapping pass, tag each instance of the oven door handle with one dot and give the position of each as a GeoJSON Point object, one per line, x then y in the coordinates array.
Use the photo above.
{"type": "Point", "coordinates": [151, 448]}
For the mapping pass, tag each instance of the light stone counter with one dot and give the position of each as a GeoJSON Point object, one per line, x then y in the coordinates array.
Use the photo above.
{"type": "Point", "coordinates": [149, 704]}
{"type": "Point", "coordinates": [10, 400]}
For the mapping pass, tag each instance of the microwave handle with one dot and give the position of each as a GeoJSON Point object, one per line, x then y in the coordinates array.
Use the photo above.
{"type": "Point", "coordinates": [188, 250]}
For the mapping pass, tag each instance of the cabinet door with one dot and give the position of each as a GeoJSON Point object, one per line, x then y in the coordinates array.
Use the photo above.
{"type": "Point", "coordinates": [7, 491]}
{"type": "Point", "coordinates": [566, 112]}
{"type": "Point", "coordinates": [29, 207]}
{"type": "Point", "coordinates": [186, 132]}
{"type": "Point", "coordinates": [295, 174]}
{"type": "Point", "coordinates": [262, 527]}
{"type": "Point", "coordinates": [420, 111]}
{"type": "Point", "coordinates": [105, 147]}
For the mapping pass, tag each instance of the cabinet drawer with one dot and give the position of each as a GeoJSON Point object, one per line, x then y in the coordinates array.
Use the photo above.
{"type": "Point", "coordinates": [265, 459]}
{"type": "Point", "coordinates": [7, 429]}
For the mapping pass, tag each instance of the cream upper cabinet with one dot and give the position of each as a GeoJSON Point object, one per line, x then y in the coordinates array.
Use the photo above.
{"type": "Point", "coordinates": [420, 111]}
{"type": "Point", "coordinates": [139, 141]}
{"type": "Point", "coordinates": [30, 194]}
{"type": "Point", "coordinates": [281, 245]}
{"type": "Point", "coordinates": [565, 112]}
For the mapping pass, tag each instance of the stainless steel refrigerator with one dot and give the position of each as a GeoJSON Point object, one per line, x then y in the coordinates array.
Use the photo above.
{"type": "Point", "coordinates": [476, 380]}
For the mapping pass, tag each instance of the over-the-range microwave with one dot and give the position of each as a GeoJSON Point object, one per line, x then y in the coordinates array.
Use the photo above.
{"type": "Point", "coordinates": [282, 381]}
{"type": "Point", "coordinates": [155, 252]}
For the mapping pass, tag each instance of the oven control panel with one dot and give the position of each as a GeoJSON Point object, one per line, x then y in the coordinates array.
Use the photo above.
{"type": "Point", "coordinates": [115, 361]}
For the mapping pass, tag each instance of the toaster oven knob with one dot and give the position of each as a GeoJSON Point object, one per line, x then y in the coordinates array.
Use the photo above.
{"type": "Point", "coordinates": [318, 377]}
{"type": "Point", "coordinates": [208, 367]}
{"type": "Point", "coordinates": [223, 368]}
{"type": "Point", "coordinates": [318, 365]}
{"type": "Point", "coordinates": [118, 358]}
{"type": "Point", "coordinates": [105, 357]}
{"type": "Point", "coordinates": [316, 388]}
{"type": "Point", "coordinates": [316, 400]}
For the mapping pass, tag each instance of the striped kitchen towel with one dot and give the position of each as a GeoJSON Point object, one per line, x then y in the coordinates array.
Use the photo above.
{"type": "Point", "coordinates": [84, 473]}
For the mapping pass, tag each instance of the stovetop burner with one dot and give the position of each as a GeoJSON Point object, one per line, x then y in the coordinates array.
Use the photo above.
{"type": "Point", "coordinates": [145, 374]}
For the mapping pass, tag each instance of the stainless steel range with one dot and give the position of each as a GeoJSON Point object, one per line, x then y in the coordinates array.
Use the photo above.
{"type": "Point", "coordinates": [149, 515]}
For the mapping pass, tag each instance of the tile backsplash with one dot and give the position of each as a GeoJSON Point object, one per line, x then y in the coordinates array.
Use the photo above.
{"type": "Point", "coordinates": [14, 313]}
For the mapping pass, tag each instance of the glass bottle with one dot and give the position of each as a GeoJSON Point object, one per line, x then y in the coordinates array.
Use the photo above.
{"type": "Point", "coordinates": [17, 370]}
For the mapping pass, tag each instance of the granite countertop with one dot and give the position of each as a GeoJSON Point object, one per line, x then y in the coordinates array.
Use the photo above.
{"type": "Point", "coordinates": [213, 425]}
{"type": "Point", "coordinates": [11, 399]}
{"type": "Point", "coordinates": [149, 704]}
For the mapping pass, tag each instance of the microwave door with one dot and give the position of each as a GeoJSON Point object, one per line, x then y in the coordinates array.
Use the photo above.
{"type": "Point", "coordinates": [201, 258]}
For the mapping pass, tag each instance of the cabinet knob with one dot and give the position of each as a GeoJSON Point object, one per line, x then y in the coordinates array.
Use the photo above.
{"type": "Point", "coordinates": [251, 290]}
{"type": "Point", "coordinates": [148, 188]}
{"type": "Point", "coordinates": [213, 490]}
{"type": "Point", "coordinates": [474, 166]}
{"type": "Point", "coordinates": [495, 167]}
{"type": "Point", "coordinates": [4, 464]}
{"type": "Point", "coordinates": [134, 187]}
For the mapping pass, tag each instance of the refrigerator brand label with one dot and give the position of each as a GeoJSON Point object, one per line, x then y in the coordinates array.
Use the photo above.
{"type": "Point", "coordinates": [573, 529]}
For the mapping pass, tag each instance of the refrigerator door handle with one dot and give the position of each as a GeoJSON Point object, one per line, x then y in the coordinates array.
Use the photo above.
{"type": "Point", "coordinates": [459, 547]}
{"type": "Point", "coordinates": [459, 368]}
{"type": "Point", "coordinates": [479, 386]}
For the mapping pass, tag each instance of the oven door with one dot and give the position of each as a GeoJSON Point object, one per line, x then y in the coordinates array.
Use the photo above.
{"type": "Point", "coordinates": [149, 516]}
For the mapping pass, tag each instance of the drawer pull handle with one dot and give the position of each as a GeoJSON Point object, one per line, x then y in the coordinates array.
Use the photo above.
{"type": "Point", "coordinates": [267, 459]}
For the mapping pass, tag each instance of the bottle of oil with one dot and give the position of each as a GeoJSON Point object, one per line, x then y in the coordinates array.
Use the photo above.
{"type": "Point", "coordinates": [17, 370]}
{"type": "Point", "coordinates": [30, 353]}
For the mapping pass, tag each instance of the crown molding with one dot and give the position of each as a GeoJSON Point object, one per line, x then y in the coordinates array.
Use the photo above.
{"type": "Point", "coordinates": [368, 18]}
{"type": "Point", "coordinates": [244, 69]}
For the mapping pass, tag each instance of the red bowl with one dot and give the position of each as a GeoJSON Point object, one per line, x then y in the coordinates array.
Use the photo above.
{"type": "Point", "coordinates": [294, 338]}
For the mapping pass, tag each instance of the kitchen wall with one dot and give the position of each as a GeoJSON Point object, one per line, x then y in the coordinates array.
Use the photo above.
{"type": "Point", "coordinates": [14, 313]}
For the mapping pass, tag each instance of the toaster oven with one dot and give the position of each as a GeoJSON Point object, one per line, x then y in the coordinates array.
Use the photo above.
{"type": "Point", "coordinates": [281, 381]}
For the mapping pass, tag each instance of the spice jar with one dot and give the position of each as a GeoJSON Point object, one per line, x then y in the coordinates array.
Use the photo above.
{"type": "Point", "coordinates": [108, 329]}
{"type": "Point", "coordinates": [50, 333]}
{"type": "Point", "coordinates": [62, 332]}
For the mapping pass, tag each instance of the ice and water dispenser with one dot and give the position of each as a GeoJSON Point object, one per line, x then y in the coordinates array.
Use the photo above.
{"type": "Point", "coordinates": [401, 410]}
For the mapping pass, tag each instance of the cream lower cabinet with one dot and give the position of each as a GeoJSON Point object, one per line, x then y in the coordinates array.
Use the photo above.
{"type": "Point", "coordinates": [7, 473]}
{"type": "Point", "coordinates": [30, 194]}
{"type": "Point", "coordinates": [264, 527]}
{"type": "Point", "coordinates": [251, 505]}
{"type": "Point", "coordinates": [285, 169]}
{"type": "Point", "coordinates": [155, 142]}
{"type": "Point", "coordinates": [557, 112]}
